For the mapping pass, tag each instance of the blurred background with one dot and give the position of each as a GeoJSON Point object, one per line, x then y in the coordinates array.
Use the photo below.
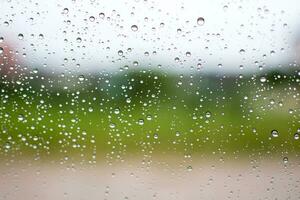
{"type": "Point", "coordinates": [149, 99]}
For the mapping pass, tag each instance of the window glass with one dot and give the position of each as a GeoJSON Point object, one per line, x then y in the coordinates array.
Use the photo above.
{"type": "Point", "coordinates": [149, 99]}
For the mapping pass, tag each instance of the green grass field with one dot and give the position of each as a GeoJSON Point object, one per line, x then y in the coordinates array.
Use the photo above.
{"type": "Point", "coordinates": [229, 121]}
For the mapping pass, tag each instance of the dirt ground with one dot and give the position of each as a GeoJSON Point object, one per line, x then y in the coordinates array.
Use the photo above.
{"type": "Point", "coordinates": [152, 179]}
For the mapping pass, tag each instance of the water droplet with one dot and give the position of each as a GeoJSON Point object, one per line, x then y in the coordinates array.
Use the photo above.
{"type": "Point", "coordinates": [92, 18]}
{"type": "Point", "coordinates": [149, 117]}
{"type": "Point", "coordinates": [272, 52]}
{"type": "Point", "coordinates": [41, 36]}
{"type": "Point", "coordinates": [225, 8]}
{"type": "Point", "coordinates": [296, 136]}
{"type": "Point", "coordinates": [117, 111]}
{"type": "Point", "coordinates": [101, 15]}
{"type": "Point", "coordinates": [21, 117]}
{"type": "Point", "coordinates": [242, 51]}
{"type": "Point", "coordinates": [120, 52]}
{"type": "Point", "coordinates": [200, 21]}
{"type": "Point", "coordinates": [208, 114]}
{"type": "Point", "coordinates": [21, 36]}
{"type": "Point", "coordinates": [134, 28]}
{"type": "Point", "coordinates": [189, 168]}
{"type": "Point", "coordinates": [81, 78]}
{"type": "Point", "coordinates": [112, 125]}
{"type": "Point", "coordinates": [141, 122]}
{"type": "Point", "coordinates": [1, 50]}
{"type": "Point", "coordinates": [188, 54]}
{"type": "Point", "coordinates": [155, 136]}
{"type": "Point", "coordinates": [128, 100]}
{"type": "Point", "coordinates": [274, 133]}
{"type": "Point", "coordinates": [78, 39]}
{"type": "Point", "coordinates": [135, 63]}
{"type": "Point", "coordinates": [285, 160]}
{"type": "Point", "coordinates": [263, 79]}
{"type": "Point", "coordinates": [6, 23]}
{"type": "Point", "coordinates": [65, 11]}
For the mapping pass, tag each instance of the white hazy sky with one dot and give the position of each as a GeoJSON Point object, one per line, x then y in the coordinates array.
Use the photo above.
{"type": "Point", "coordinates": [260, 27]}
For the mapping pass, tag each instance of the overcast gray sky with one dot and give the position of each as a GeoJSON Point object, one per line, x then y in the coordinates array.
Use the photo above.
{"type": "Point", "coordinates": [234, 33]}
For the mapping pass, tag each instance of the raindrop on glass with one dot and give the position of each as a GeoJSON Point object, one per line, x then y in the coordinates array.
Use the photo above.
{"type": "Point", "coordinates": [263, 79]}
{"type": "Point", "coordinates": [200, 21]}
{"type": "Point", "coordinates": [21, 36]}
{"type": "Point", "coordinates": [134, 28]}
{"type": "Point", "coordinates": [274, 133]}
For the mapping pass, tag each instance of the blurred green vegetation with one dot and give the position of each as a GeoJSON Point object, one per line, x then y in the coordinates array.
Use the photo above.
{"type": "Point", "coordinates": [149, 112]}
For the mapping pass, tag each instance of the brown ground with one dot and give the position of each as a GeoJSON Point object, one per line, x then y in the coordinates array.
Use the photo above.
{"type": "Point", "coordinates": [151, 180]}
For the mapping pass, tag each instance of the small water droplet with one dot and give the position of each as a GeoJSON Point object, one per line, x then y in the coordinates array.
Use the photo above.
{"type": "Point", "coordinates": [128, 100]}
{"type": "Point", "coordinates": [189, 168]}
{"type": "Point", "coordinates": [263, 79]}
{"type": "Point", "coordinates": [21, 36]}
{"type": "Point", "coordinates": [65, 11]}
{"type": "Point", "coordinates": [134, 28]}
{"type": "Point", "coordinates": [78, 39]}
{"type": "Point", "coordinates": [141, 122]}
{"type": "Point", "coordinates": [81, 78]}
{"type": "Point", "coordinates": [21, 117]}
{"type": "Point", "coordinates": [225, 8]}
{"type": "Point", "coordinates": [117, 111]}
{"type": "Point", "coordinates": [120, 52]}
{"type": "Point", "coordinates": [285, 160]}
{"type": "Point", "coordinates": [7, 145]}
{"type": "Point", "coordinates": [242, 51]}
{"type": "Point", "coordinates": [274, 133]}
{"type": "Point", "coordinates": [149, 117]}
{"type": "Point", "coordinates": [200, 21]}
{"type": "Point", "coordinates": [92, 18]}
{"type": "Point", "coordinates": [101, 15]}
{"type": "Point", "coordinates": [188, 54]}
{"type": "Point", "coordinates": [208, 114]}
{"type": "Point", "coordinates": [135, 63]}
{"type": "Point", "coordinates": [112, 125]}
